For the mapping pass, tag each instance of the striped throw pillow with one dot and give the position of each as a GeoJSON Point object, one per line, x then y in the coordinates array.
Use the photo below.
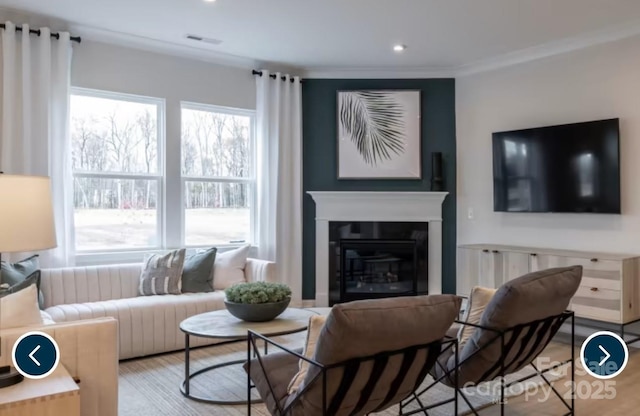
{"type": "Point", "coordinates": [162, 274]}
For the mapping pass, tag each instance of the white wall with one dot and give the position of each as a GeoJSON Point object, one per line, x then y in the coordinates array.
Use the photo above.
{"type": "Point", "coordinates": [114, 68]}
{"type": "Point", "coordinates": [594, 83]}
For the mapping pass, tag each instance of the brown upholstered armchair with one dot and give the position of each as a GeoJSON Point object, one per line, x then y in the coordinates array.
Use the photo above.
{"type": "Point", "coordinates": [369, 356]}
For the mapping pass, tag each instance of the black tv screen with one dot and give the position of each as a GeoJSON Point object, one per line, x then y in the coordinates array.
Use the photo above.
{"type": "Point", "coordinates": [565, 168]}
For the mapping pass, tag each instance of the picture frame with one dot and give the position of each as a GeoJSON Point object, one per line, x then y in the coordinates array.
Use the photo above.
{"type": "Point", "coordinates": [379, 134]}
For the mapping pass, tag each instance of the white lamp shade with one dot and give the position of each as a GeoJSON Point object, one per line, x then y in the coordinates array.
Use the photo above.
{"type": "Point", "coordinates": [26, 214]}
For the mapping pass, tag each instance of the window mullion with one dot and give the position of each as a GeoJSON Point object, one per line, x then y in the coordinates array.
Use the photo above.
{"type": "Point", "coordinates": [114, 175]}
{"type": "Point", "coordinates": [173, 200]}
{"type": "Point", "coordinates": [217, 180]}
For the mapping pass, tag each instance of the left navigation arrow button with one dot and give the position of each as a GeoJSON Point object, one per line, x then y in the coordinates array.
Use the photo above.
{"type": "Point", "coordinates": [35, 350]}
{"type": "Point", "coordinates": [35, 355]}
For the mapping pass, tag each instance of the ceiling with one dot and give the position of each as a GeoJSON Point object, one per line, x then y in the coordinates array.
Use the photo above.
{"type": "Point", "coordinates": [348, 35]}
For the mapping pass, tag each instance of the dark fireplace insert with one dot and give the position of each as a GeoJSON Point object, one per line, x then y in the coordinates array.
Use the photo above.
{"type": "Point", "coordinates": [371, 260]}
{"type": "Point", "coordinates": [377, 268]}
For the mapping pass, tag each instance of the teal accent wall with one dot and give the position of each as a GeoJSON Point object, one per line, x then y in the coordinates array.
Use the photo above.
{"type": "Point", "coordinates": [319, 106]}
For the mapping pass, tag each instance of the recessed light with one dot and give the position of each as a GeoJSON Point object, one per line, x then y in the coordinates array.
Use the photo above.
{"type": "Point", "coordinates": [209, 1]}
{"type": "Point", "coordinates": [399, 48]}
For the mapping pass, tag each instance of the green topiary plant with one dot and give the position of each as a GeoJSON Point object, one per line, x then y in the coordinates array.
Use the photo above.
{"type": "Point", "coordinates": [258, 292]}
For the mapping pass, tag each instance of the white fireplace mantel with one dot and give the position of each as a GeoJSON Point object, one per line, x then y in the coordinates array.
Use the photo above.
{"type": "Point", "coordinates": [377, 206]}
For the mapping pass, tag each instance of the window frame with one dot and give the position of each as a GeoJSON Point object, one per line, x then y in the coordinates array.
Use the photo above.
{"type": "Point", "coordinates": [250, 180]}
{"type": "Point", "coordinates": [124, 253]}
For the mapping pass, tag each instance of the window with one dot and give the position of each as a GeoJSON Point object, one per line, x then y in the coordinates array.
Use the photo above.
{"type": "Point", "coordinates": [124, 198]}
{"type": "Point", "coordinates": [218, 174]}
{"type": "Point", "coordinates": [117, 168]}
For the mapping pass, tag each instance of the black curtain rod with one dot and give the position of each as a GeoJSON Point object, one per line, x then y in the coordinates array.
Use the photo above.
{"type": "Point", "coordinates": [259, 73]}
{"type": "Point", "coordinates": [37, 32]}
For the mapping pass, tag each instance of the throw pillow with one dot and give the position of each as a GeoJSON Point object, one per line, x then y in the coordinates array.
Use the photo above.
{"type": "Point", "coordinates": [33, 279]}
{"type": "Point", "coordinates": [197, 274]}
{"type": "Point", "coordinates": [316, 323]}
{"type": "Point", "coordinates": [20, 309]}
{"type": "Point", "coordinates": [162, 274]}
{"type": "Point", "coordinates": [478, 301]}
{"type": "Point", "coordinates": [14, 273]}
{"type": "Point", "coordinates": [228, 268]}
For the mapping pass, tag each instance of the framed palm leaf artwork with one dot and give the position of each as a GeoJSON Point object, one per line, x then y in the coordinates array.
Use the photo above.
{"type": "Point", "coordinates": [379, 134]}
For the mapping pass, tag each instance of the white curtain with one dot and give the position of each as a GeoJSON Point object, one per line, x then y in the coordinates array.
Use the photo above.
{"type": "Point", "coordinates": [34, 138]}
{"type": "Point", "coordinates": [279, 176]}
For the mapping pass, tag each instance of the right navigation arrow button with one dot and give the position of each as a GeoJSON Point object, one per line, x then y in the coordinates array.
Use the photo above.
{"type": "Point", "coordinates": [606, 355]}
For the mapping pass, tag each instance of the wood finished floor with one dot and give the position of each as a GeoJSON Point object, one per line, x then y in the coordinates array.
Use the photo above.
{"type": "Point", "coordinates": [625, 403]}
{"type": "Point", "coordinates": [149, 387]}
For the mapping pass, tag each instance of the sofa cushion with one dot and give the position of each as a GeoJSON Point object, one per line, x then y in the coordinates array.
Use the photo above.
{"type": "Point", "coordinates": [46, 318]}
{"type": "Point", "coordinates": [147, 324]}
{"type": "Point", "coordinates": [197, 273]}
{"type": "Point", "coordinates": [67, 285]}
{"type": "Point", "coordinates": [162, 274]}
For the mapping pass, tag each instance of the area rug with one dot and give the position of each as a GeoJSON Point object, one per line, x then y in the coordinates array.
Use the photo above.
{"type": "Point", "coordinates": [150, 386]}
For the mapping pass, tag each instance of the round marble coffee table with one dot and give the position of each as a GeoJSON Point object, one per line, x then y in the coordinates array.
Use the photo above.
{"type": "Point", "coordinates": [221, 324]}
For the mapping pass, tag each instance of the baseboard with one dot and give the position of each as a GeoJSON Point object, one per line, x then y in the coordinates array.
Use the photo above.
{"type": "Point", "coordinates": [308, 303]}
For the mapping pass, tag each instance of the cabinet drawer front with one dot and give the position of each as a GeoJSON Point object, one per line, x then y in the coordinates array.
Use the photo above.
{"type": "Point", "coordinates": [598, 314]}
{"type": "Point", "coordinates": [598, 269]}
{"type": "Point", "coordinates": [587, 293]}
{"type": "Point", "coordinates": [591, 282]}
{"type": "Point", "coordinates": [597, 304]}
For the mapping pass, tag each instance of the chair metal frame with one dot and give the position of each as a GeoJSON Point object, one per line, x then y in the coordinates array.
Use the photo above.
{"type": "Point", "coordinates": [435, 348]}
{"type": "Point", "coordinates": [554, 322]}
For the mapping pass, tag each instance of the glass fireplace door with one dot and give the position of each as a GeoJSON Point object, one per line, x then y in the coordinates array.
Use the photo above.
{"type": "Point", "coordinates": [374, 268]}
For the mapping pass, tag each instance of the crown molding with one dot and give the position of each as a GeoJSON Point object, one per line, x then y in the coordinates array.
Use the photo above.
{"type": "Point", "coordinates": [553, 48]}
{"type": "Point", "coordinates": [533, 53]}
{"type": "Point", "coordinates": [378, 73]}
{"type": "Point", "coordinates": [549, 49]}
{"type": "Point", "coordinates": [163, 47]}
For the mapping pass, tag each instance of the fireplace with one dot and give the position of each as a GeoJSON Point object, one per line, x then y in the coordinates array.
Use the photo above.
{"type": "Point", "coordinates": [377, 269]}
{"type": "Point", "coordinates": [374, 207]}
{"type": "Point", "coordinates": [371, 260]}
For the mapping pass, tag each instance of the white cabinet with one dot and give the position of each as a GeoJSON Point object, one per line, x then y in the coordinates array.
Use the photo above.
{"type": "Point", "coordinates": [488, 267]}
{"type": "Point", "coordinates": [610, 287]}
{"type": "Point", "coordinates": [514, 264]}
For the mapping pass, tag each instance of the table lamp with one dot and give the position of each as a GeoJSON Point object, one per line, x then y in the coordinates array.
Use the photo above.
{"type": "Point", "coordinates": [26, 224]}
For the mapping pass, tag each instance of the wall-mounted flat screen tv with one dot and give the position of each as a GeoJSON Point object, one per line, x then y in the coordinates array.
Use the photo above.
{"type": "Point", "coordinates": [564, 168]}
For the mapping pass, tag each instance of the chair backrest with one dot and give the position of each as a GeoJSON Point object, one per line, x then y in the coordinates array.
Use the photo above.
{"type": "Point", "coordinates": [529, 310]}
{"type": "Point", "coordinates": [381, 349]}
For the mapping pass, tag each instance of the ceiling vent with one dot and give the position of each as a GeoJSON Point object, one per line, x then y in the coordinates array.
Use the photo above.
{"type": "Point", "coordinates": [210, 41]}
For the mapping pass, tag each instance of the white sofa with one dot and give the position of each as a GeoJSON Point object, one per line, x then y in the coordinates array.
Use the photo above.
{"type": "Point", "coordinates": [147, 324]}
